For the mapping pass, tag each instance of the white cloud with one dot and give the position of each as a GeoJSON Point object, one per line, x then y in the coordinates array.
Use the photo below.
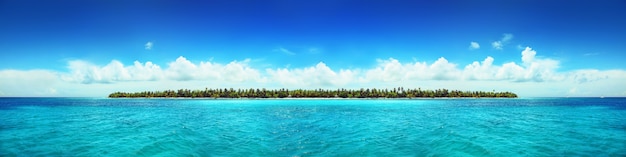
{"type": "Point", "coordinates": [319, 75]}
{"type": "Point", "coordinates": [532, 69]}
{"type": "Point", "coordinates": [148, 45]}
{"type": "Point", "coordinates": [528, 55]}
{"type": "Point", "coordinates": [183, 70]}
{"type": "Point", "coordinates": [85, 72]}
{"type": "Point", "coordinates": [28, 83]}
{"type": "Point", "coordinates": [478, 71]}
{"type": "Point", "coordinates": [531, 75]}
{"type": "Point", "coordinates": [444, 70]}
{"type": "Point", "coordinates": [180, 70]}
{"type": "Point", "coordinates": [474, 45]}
{"type": "Point", "coordinates": [500, 43]}
{"type": "Point", "coordinates": [392, 70]}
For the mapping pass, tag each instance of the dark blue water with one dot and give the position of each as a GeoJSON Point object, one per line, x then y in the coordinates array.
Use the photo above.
{"type": "Point", "coordinates": [425, 127]}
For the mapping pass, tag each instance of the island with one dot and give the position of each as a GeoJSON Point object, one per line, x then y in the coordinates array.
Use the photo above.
{"type": "Point", "coordinates": [399, 92]}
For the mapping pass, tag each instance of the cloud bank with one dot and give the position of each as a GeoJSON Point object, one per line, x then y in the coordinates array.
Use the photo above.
{"type": "Point", "coordinates": [531, 76]}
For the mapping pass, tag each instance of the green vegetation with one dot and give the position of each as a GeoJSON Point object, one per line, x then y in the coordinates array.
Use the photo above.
{"type": "Point", "coordinates": [316, 93]}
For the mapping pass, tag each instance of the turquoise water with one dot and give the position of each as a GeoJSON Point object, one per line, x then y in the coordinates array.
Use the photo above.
{"type": "Point", "coordinates": [425, 127]}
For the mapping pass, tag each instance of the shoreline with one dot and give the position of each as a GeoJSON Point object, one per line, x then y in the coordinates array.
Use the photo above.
{"type": "Point", "coordinates": [208, 98]}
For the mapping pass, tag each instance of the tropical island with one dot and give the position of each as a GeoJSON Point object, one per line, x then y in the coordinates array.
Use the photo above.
{"type": "Point", "coordinates": [313, 93]}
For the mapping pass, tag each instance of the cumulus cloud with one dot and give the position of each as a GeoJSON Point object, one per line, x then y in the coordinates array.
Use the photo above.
{"type": "Point", "coordinates": [531, 69]}
{"type": "Point", "coordinates": [528, 55]}
{"type": "Point", "coordinates": [85, 72]}
{"type": "Point", "coordinates": [319, 75]}
{"type": "Point", "coordinates": [531, 75]}
{"type": "Point", "coordinates": [148, 45]}
{"type": "Point", "coordinates": [474, 45]}
{"type": "Point", "coordinates": [180, 70]}
{"type": "Point", "coordinates": [500, 43]}
{"type": "Point", "coordinates": [481, 70]}
{"type": "Point", "coordinates": [184, 70]}
{"type": "Point", "coordinates": [391, 70]}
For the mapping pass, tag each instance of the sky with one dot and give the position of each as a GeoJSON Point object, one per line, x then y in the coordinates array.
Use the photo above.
{"type": "Point", "coordinates": [78, 48]}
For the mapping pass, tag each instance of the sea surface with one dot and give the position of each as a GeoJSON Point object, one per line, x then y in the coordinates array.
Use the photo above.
{"type": "Point", "coordinates": [418, 127]}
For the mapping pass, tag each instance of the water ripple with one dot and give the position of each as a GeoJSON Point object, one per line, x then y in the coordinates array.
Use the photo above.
{"type": "Point", "coordinates": [163, 127]}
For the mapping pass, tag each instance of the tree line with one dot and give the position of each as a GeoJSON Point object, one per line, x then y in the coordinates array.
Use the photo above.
{"type": "Point", "coordinates": [313, 93]}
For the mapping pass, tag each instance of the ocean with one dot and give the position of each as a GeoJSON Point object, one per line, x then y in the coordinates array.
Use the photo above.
{"type": "Point", "coordinates": [310, 127]}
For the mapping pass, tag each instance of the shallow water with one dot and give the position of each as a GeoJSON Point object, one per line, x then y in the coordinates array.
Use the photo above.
{"type": "Point", "coordinates": [424, 127]}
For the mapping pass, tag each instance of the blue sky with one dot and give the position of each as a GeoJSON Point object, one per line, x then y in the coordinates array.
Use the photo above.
{"type": "Point", "coordinates": [77, 44]}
